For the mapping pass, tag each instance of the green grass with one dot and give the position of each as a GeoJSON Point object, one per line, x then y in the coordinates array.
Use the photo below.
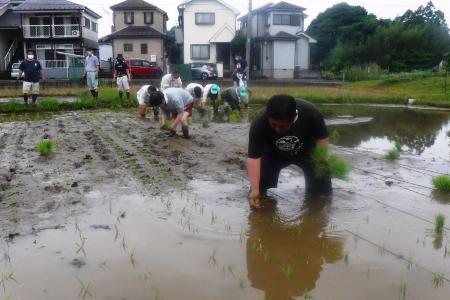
{"type": "Point", "coordinates": [392, 154]}
{"type": "Point", "coordinates": [439, 225]}
{"type": "Point", "coordinates": [108, 99]}
{"type": "Point", "coordinates": [442, 183]}
{"type": "Point", "coordinates": [44, 147]}
{"type": "Point", "coordinates": [329, 165]}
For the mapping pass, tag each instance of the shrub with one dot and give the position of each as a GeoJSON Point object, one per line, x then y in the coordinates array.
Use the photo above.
{"type": "Point", "coordinates": [392, 154]}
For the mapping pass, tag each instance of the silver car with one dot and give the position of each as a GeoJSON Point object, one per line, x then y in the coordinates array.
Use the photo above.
{"type": "Point", "coordinates": [15, 70]}
{"type": "Point", "coordinates": [203, 71]}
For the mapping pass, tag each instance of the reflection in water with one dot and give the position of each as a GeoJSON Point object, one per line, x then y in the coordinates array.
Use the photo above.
{"type": "Point", "coordinates": [284, 259]}
{"type": "Point", "coordinates": [416, 129]}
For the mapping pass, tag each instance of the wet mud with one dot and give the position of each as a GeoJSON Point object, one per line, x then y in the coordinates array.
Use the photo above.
{"type": "Point", "coordinates": [120, 210]}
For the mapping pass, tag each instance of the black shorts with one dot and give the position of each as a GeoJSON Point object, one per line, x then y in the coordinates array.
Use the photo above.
{"type": "Point", "coordinates": [271, 166]}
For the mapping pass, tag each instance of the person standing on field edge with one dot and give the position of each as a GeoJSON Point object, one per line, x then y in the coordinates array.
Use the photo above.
{"type": "Point", "coordinates": [122, 73]}
{"type": "Point", "coordinates": [285, 133]}
{"type": "Point", "coordinates": [91, 69]}
{"type": "Point", "coordinates": [172, 80]}
{"type": "Point", "coordinates": [32, 70]}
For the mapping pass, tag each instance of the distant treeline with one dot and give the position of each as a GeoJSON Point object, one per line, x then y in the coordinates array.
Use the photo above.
{"type": "Point", "coordinates": [350, 36]}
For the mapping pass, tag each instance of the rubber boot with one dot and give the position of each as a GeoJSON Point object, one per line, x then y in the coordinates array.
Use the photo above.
{"type": "Point", "coordinates": [185, 130]}
{"type": "Point", "coordinates": [120, 95]}
{"type": "Point", "coordinates": [25, 99]}
{"type": "Point", "coordinates": [128, 95]}
{"type": "Point", "coordinates": [33, 99]}
{"type": "Point", "coordinates": [93, 93]}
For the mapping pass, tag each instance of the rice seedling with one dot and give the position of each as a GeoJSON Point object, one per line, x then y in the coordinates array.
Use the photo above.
{"type": "Point", "coordinates": [402, 292]}
{"type": "Point", "coordinates": [335, 137]}
{"type": "Point", "coordinates": [267, 297]}
{"type": "Point", "coordinates": [80, 245]}
{"type": "Point", "coordinates": [7, 277]}
{"type": "Point", "coordinates": [439, 224]}
{"type": "Point", "coordinates": [205, 123]}
{"type": "Point", "coordinates": [213, 218]}
{"type": "Point", "coordinates": [116, 231]}
{"type": "Point", "coordinates": [44, 147]}
{"type": "Point", "coordinates": [398, 146]}
{"type": "Point", "coordinates": [227, 227]}
{"type": "Point", "coordinates": [438, 279]}
{"type": "Point", "coordinates": [84, 289]}
{"type": "Point", "coordinates": [234, 116]}
{"type": "Point", "coordinates": [145, 275]}
{"type": "Point", "coordinates": [213, 258]}
{"type": "Point", "coordinates": [299, 229]}
{"type": "Point", "coordinates": [409, 263]}
{"type": "Point", "coordinates": [123, 244]}
{"type": "Point", "coordinates": [392, 154]}
{"type": "Point", "coordinates": [346, 260]}
{"type": "Point", "coordinates": [266, 256]}
{"type": "Point", "coordinates": [49, 104]}
{"type": "Point", "coordinates": [446, 251]}
{"type": "Point", "coordinates": [231, 269]}
{"type": "Point", "coordinates": [328, 165]}
{"type": "Point", "coordinates": [242, 236]}
{"type": "Point", "coordinates": [242, 283]}
{"type": "Point", "coordinates": [442, 183]}
{"type": "Point", "coordinates": [103, 265]}
{"type": "Point", "coordinates": [133, 258]}
{"type": "Point", "coordinates": [307, 295]}
{"type": "Point", "coordinates": [287, 271]}
{"type": "Point", "coordinates": [7, 257]}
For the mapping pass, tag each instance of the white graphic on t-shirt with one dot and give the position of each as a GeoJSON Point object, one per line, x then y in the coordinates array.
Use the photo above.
{"type": "Point", "coordinates": [290, 145]}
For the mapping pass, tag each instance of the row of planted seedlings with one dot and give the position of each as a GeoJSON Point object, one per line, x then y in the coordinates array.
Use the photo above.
{"type": "Point", "coordinates": [85, 286]}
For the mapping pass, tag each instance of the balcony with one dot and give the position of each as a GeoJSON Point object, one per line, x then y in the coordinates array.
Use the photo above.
{"type": "Point", "coordinates": [49, 31]}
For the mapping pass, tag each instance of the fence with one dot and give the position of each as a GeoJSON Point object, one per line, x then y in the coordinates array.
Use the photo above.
{"type": "Point", "coordinates": [47, 31]}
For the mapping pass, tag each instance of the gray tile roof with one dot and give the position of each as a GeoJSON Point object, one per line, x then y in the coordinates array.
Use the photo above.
{"type": "Point", "coordinates": [282, 35]}
{"type": "Point", "coordinates": [134, 32]}
{"type": "Point", "coordinates": [10, 20]}
{"type": "Point", "coordinates": [287, 6]}
{"type": "Point", "coordinates": [36, 5]}
{"type": "Point", "coordinates": [136, 5]}
{"type": "Point", "coordinates": [279, 6]}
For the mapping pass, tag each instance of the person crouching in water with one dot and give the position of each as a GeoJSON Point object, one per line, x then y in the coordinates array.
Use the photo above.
{"type": "Point", "coordinates": [210, 91]}
{"type": "Point", "coordinates": [233, 97]}
{"type": "Point", "coordinates": [143, 96]}
{"type": "Point", "coordinates": [123, 75]}
{"type": "Point", "coordinates": [196, 91]}
{"type": "Point", "coordinates": [176, 102]}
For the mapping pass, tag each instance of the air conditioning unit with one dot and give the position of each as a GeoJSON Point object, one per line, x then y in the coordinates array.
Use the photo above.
{"type": "Point", "coordinates": [75, 32]}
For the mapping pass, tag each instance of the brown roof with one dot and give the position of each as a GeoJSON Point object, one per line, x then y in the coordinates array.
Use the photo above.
{"type": "Point", "coordinates": [134, 32]}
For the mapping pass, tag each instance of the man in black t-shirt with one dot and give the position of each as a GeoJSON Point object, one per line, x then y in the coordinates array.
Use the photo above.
{"type": "Point", "coordinates": [123, 75]}
{"type": "Point", "coordinates": [285, 133]}
{"type": "Point", "coordinates": [32, 70]}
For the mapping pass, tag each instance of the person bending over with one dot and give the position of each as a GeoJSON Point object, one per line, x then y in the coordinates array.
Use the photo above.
{"type": "Point", "coordinates": [285, 133]}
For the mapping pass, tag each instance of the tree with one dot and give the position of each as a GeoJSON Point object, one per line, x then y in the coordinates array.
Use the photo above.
{"type": "Point", "coordinates": [238, 43]}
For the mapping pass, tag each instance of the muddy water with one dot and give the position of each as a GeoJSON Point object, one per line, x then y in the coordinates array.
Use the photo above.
{"type": "Point", "coordinates": [120, 211]}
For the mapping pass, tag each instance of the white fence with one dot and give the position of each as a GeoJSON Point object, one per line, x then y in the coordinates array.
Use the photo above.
{"type": "Point", "coordinates": [47, 31]}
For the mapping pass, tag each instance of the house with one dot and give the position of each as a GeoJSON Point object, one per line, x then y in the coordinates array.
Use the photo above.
{"type": "Point", "coordinates": [208, 28]}
{"type": "Point", "coordinates": [52, 26]}
{"type": "Point", "coordinates": [139, 31]}
{"type": "Point", "coordinates": [10, 35]}
{"type": "Point", "coordinates": [280, 45]}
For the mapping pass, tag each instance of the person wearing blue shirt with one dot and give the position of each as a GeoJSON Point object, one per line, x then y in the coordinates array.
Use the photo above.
{"type": "Point", "coordinates": [32, 70]}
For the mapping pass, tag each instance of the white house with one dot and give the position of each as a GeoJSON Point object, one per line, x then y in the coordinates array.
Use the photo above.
{"type": "Point", "coordinates": [208, 28]}
{"type": "Point", "coordinates": [281, 46]}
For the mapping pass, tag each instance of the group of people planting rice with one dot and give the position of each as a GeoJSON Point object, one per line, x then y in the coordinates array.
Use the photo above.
{"type": "Point", "coordinates": [285, 132]}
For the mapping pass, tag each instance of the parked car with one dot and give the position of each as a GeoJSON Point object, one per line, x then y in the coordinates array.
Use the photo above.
{"type": "Point", "coordinates": [143, 68]}
{"type": "Point", "coordinates": [203, 71]}
{"type": "Point", "coordinates": [15, 70]}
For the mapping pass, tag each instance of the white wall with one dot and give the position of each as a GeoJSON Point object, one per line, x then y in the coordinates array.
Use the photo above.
{"type": "Point", "coordinates": [303, 54]}
{"type": "Point", "coordinates": [88, 33]}
{"type": "Point", "coordinates": [201, 34]}
{"type": "Point", "coordinates": [106, 51]}
{"type": "Point", "coordinates": [274, 29]}
{"type": "Point", "coordinates": [284, 56]}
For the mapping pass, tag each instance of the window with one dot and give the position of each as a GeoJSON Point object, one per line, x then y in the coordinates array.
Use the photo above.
{"type": "Point", "coordinates": [94, 27]}
{"type": "Point", "coordinates": [281, 20]}
{"type": "Point", "coordinates": [204, 18]}
{"type": "Point", "coordinates": [200, 51]}
{"type": "Point", "coordinates": [144, 49]}
{"type": "Point", "coordinates": [87, 23]}
{"type": "Point", "coordinates": [148, 17]}
{"type": "Point", "coordinates": [129, 17]}
{"type": "Point", "coordinates": [136, 63]}
{"type": "Point", "coordinates": [146, 64]}
{"type": "Point", "coordinates": [127, 47]}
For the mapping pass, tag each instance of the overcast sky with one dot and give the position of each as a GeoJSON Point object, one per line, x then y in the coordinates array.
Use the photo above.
{"type": "Point", "coordinates": [381, 8]}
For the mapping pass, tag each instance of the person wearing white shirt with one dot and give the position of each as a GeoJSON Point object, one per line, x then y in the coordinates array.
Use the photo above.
{"type": "Point", "coordinates": [172, 80]}
{"type": "Point", "coordinates": [212, 92]}
{"type": "Point", "coordinates": [143, 96]}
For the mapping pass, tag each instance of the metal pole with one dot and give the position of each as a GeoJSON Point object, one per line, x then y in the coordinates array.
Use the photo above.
{"type": "Point", "coordinates": [249, 36]}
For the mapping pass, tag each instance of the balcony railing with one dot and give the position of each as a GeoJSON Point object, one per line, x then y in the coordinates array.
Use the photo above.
{"type": "Point", "coordinates": [47, 31]}
{"type": "Point", "coordinates": [53, 64]}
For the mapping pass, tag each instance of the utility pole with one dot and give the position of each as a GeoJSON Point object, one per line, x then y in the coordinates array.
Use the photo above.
{"type": "Point", "coordinates": [249, 37]}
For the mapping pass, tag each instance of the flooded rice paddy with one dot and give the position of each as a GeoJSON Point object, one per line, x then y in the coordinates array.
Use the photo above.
{"type": "Point", "coordinates": [121, 211]}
